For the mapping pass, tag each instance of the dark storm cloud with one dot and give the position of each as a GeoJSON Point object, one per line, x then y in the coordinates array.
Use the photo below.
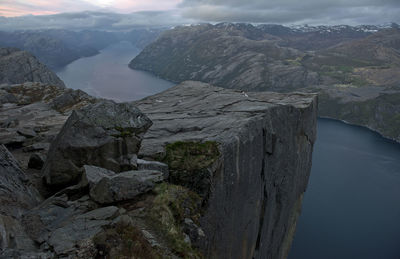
{"type": "Point", "coordinates": [294, 11]}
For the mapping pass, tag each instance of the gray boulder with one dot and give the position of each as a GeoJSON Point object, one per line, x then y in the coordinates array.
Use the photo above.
{"type": "Point", "coordinates": [124, 186]}
{"type": "Point", "coordinates": [105, 134]}
{"type": "Point", "coordinates": [93, 174]}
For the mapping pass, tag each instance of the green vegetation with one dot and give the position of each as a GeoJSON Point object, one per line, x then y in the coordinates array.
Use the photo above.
{"type": "Point", "coordinates": [124, 241]}
{"type": "Point", "coordinates": [189, 156]}
{"type": "Point", "coordinates": [293, 62]}
{"type": "Point", "coordinates": [189, 164]}
{"type": "Point", "coordinates": [171, 205]}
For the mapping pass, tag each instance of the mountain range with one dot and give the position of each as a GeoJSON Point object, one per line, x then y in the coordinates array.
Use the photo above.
{"type": "Point", "coordinates": [344, 64]}
{"type": "Point", "coordinates": [58, 47]}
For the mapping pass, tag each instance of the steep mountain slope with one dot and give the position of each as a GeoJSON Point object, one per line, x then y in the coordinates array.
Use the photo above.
{"type": "Point", "coordinates": [232, 56]}
{"type": "Point", "coordinates": [57, 48]}
{"type": "Point", "coordinates": [51, 51]}
{"type": "Point", "coordinates": [18, 66]}
{"type": "Point", "coordinates": [248, 58]}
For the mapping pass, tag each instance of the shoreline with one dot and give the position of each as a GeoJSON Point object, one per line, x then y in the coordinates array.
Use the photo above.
{"type": "Point", "coordinates": [361, 126]}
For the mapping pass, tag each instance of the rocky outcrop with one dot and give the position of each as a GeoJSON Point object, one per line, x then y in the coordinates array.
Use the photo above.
{"type": "Point", "coordinates": [222, 174]}
{"type": "Point", "coordinates": [124, 186]}
{"type": "Point", "coordinates": [17, 195]}
{"type": "Point", "coordinates": [264, 140]}
{"type": "Point", "coordinates": [34, 113]}
{"type": "Point", "coordinates": [105, 134]}
{"type": "Point", "coordinates": [17, 67]}
{"type": "Point", "coordinates": [246, 58]}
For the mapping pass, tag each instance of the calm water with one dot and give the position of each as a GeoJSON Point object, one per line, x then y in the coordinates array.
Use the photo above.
{"type": "Point", "coordinates": [108, 75]}
{"type": "Point", "coordinates": [352, 206]}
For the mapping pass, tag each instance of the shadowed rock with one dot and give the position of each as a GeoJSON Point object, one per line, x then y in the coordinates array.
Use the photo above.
{"type": "Point", "coordinates": [105, 134]}
{"type": "Point", "coordinates": [124, 186]}
{"type": "Point", "coordinates": [16, 194]}
{"type": "Point", "coordinates": [16, 197]}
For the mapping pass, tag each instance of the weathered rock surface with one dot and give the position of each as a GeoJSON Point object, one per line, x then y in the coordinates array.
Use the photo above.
{"type": "Point", "coordinates": [237, 165]}
{"type": "Point", "coordinates": [124, 186]}
{"type": "Point", "coordinates": [153, 165]}
{"type": "Point", "coordinates": [17, 67]}
{"type": "Point", "coordinates": [34, 116]}
{"type": "Point", "coordinates": [17, 195]}
{"type": "Point", "coordinates": [105, 134]}
{"type": "Point", "coordinates": [248, 58]}
{"type": "Point", "coordinates": [266, 142]}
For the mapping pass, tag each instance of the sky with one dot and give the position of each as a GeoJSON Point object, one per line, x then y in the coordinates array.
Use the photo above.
{"type": "Point", "coordinates": [26, 14]}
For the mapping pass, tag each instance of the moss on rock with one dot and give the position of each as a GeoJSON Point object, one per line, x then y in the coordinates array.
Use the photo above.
{"type": "Point", "coordinates": [189, 164]}
{"type": "Point", "coordinates": [171, 205]}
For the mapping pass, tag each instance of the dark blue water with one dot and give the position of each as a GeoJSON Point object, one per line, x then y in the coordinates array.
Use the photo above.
{"type": "Point", "coordinates": [352, 206]}
{"type": "Point", "coordinates": [107, 75]}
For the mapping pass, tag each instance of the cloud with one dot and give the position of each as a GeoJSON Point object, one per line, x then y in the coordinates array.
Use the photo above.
{"type": "Point", "coordinates": [11, 8]}
{"type": "Point", "coordinates": [93, 20]}
{"type": "Point", "coordinates": [115, 14]}
{"type": "Point", "coordinates": [293, 11]}
{"type": "Point", "coordinates": [40, 7]}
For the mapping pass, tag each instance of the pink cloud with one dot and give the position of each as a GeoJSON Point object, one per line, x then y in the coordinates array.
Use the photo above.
{"type": "Point", "coordinates": [153, 5]}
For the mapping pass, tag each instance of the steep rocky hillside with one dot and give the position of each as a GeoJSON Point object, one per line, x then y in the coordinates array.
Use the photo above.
{"type": "Point", "coordinates": [232, 56]}
{"type": "Point", "coordinates": [18, 66]}
{"type": "Point", "coordinates": [57, 48]}
{"type": "Point", "coordinates": [228, 182]}
{"type": "Point", "coordinates": [248, 58]}
{"type": "Point", "coordinates": [50, 50]}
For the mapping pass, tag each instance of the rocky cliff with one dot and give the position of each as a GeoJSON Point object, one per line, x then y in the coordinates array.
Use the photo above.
{"type": "Point", "coordinates": [219, 173]}
{"type": "Point", "coordinates": [18, 67]}
{"type": "Point", "coordinates": [248, 58]}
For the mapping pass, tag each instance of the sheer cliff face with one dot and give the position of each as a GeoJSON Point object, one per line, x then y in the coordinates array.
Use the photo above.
{"type": "Point", "coordinates": [17, 67]}
{"type": "Point", "coordinates": [265, 141]}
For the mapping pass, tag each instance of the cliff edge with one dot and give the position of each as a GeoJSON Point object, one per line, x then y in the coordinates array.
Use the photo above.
{"type": "Point", "coordinates": [252, 195]}
{"type": "Point", "coordinates": [196, 172]}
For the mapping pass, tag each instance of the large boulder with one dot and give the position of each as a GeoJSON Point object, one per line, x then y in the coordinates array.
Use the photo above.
{"type": "Point", "coordinates": [105, 134]}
